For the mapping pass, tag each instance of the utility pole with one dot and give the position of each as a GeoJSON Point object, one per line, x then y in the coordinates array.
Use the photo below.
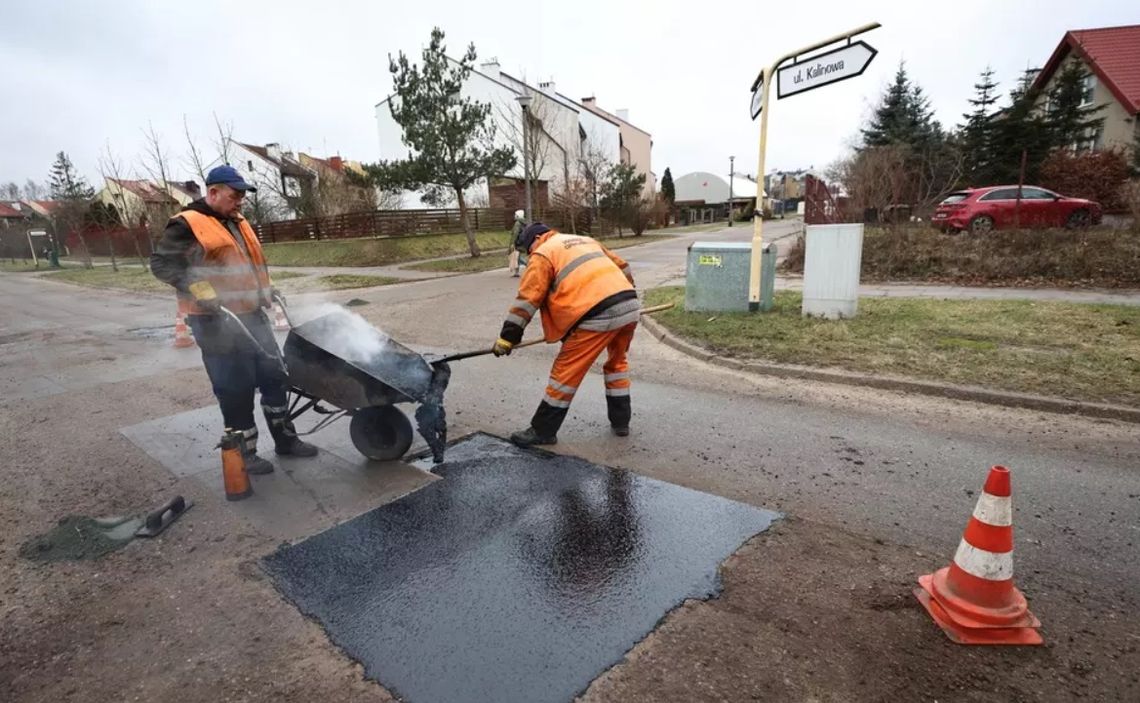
{"type": "Point", "coordinates": [524, 102]}
{"type": "Point", "coordinates": [731, 175]}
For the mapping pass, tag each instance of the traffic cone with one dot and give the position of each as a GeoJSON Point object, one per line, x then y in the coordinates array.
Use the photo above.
{"type": "Point", "coordinates": [974, 600]}
{"type": "Point", "coordinates": [280, 322]}
{"type": "Point", "coordinates": [182, 338]}
{"type": "Point", "coordinates": [234, 475]}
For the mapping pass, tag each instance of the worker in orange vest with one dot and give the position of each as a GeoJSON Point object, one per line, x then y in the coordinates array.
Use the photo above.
{"type": "Point", "coordinates": [213, 258]}
{"type": "Point", "coordinates": [588, 302]}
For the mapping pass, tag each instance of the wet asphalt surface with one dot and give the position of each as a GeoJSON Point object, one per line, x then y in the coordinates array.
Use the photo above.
{"type": "Point", "coordinates": [520, 576]}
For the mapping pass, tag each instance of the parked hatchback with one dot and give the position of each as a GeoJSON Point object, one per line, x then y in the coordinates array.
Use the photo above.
{"type": "Point", "coordinates": [995, 207]}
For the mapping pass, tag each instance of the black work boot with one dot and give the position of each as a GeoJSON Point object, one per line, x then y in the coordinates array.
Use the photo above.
{"type": "Point", "coordinates": [619, 413]}
{"type": "Point", "coordinates": [285, 436]}
{"type": "Point", "coordinates": [254, 465]}
{"type": "Point", "coordinates": [530, 438]}
{"type": "Point", "coordinates": [622, 431]}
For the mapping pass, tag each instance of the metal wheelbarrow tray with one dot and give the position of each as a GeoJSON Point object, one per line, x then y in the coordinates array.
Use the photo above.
{"type": "Point", "coordinates": [341, 360]}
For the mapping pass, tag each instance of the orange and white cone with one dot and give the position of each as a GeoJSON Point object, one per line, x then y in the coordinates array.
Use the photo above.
{"type": "Point", "coordinates": [182, 338]}
{"type": "Point", "coordinates": [974, 600]}
{"type": "Point", "coordinates": [280, 322]}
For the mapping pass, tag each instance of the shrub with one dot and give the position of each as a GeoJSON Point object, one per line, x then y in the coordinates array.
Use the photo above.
{"type": "Point", "coordinates": [1098, 175]}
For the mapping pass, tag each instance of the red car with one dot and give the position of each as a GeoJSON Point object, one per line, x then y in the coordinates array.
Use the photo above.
{"type": "Point", "coordinates": [994, 207]}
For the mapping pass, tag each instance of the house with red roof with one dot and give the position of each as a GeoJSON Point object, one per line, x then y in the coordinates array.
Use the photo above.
{"type": "Point", "coordinates": [1111, 57]}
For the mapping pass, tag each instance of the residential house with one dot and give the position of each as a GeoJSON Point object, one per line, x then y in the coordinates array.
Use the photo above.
{"type": "Point", "coordinates": [1111, 57]}
{"type": "Point", "coordinates": [137, 202]}
{"type": "Point", "coordinates": [13, 213]}
{"type": "Point", "coordinates": [336, 193]}
{"type": "Point", "coordinates": [45, 209]}
{"type": "Point", "coordinates": [636, 144]}
{"type": "Point", "coordinates": [565, 136]}
{"type": "Point", "coordinates": [185, 192]}
{"type": "Point", "coordinates": [707, 197]}
{"type": "Point", "coordinates": [285, 188]}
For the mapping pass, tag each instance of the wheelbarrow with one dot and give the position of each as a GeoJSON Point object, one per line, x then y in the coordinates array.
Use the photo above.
{"type": "Point", "coordinates": [340, 360]}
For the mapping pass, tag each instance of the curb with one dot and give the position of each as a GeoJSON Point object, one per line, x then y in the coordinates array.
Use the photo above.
{"type": "Point", "coordinates": [931, 388]}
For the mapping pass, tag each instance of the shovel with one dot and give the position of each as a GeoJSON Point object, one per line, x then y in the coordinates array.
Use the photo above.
{"type": "Point", "coordinates": [531, 343]}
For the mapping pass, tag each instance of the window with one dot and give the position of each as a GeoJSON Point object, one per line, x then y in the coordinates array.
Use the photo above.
{"type": "Point", "coordinates": [955, 198]}
{"type": "Point", "coordinates": [1089, 87]}
{"type": "Point", "coordinates": [1035, 194]}
{"type": "Point", "coordinates": [1000, 194]}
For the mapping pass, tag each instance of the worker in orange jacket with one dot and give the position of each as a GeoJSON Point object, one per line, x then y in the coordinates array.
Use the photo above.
{"type": "Point", "coordinates": [587, 300]}
{"type": "Point", "coordinates": [212, 257]}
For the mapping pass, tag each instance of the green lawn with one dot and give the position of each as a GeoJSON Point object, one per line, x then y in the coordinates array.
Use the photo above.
{"type": "Point", "coordinates": [1084, 352]}
{"type": "Point", "coordinates": [130, 279]}
{"type": "Point", "coordinates": [498, 259]}
{"type": "Point", "coordinates": [378, 252]}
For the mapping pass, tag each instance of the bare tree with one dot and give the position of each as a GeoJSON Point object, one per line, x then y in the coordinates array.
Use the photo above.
{"type": "Point", "coordinates": [34, 190]}
{"type": "Point", "coordinates": [10, 191]}
{"type": "Point", "coordinates": [225, 138]}
{"type": "Point", "coordinates": [540, 147]}
{"type": "Point", "coordinates": [111, 169]}
{"type": "Point", "coordinates": [194, 158]}
{"type": "Point", "coordinates": [156, 163]}
{"type": "Point", "coordinates": [594, 167]}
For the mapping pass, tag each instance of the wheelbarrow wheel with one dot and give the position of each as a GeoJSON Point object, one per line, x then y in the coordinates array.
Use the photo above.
{"type": "Point", "coordinates": [382, 433]}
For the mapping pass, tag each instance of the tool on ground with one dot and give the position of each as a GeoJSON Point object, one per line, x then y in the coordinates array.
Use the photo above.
{"type": "Point", "coordinates": [531, 343]}
{"type": "Point", "coordinates": [234, 475]}
{"type": "Point", "coordinates": [974, 600]}
{"type": "Point", "coordinates": [182, 338]}
{"type": "Point", "coordinates": [163, 517]}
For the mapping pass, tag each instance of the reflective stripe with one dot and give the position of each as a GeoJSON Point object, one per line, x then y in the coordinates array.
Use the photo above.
{"type": "Point", "coordinates": [525, 306]}
{"type": "Point", "coordinates": [994, 510]}
{"type": "Point", "coordinates": [617, 376]}
{"type": "Point", "coordinates": [617, 392]}
{"type": "Point", "coordinates": [608, 324]}
{"type": "Point", "coordinates": [568, 390]}
{"type": "Point", "coordinates": [573, 265]}
{"type": "Point", "coordinates": [555, 402]}
{"type": "Point", "coordinates": [991, 566]}
{"type": "Point", "coordinates": [252, 432]}
{"type": "Point", "coordinates": [520, 321]}
{"type": "Point", "coordinates": [276, 410]}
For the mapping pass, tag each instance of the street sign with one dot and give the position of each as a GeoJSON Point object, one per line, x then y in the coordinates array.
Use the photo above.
{"type": "Point", "coordinates": [824, 69]}
{"type": "Point", "coordinates": [757, 99]}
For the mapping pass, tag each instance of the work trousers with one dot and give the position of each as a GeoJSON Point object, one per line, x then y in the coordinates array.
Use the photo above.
{"type": "Point", "coordinates": [579, 351]}
{"type": "Point", "coordinates": [237, 369]}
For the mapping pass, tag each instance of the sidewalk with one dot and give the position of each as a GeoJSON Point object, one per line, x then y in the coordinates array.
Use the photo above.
{"type": "Point", "coordinates": [920, 290]}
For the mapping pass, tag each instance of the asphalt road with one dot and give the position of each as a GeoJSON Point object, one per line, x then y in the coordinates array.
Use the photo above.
{"type": "Point", "coordinates": [890, 467]}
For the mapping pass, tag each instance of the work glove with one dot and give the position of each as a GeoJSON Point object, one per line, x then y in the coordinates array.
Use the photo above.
{"type": "Point", "coordinates": [206, 297]}
{"type": "Point", "coordinates": [271, 298]}
{"type": "Point", "coordinates": [502, 347]}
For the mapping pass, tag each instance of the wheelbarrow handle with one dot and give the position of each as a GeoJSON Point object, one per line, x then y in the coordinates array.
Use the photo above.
{"type": "Point", "coordinates": [275, 358]}
{"type": "Point", "coordinates": [284, 309]}
{"type": "Point", "coordinates": [531, 343]}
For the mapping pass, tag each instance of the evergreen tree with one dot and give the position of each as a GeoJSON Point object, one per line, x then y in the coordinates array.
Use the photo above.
{"type": "Point", "coordinates": [975, 136]}
{"type": "Point", "coordinates": [620, 193]}
{"type": "Point", "coordinates": [65, 184]}
{"type": "Point", "coordinates": [903, 117]}
{"type": "Point", "coordinates": [450, 137]}
{"type": "Point", "coordinates": [1018, 128]}
{"type": "Point", "coordinates": [1072, 118]}
{"type": "Point", "coordinates": [668, 190]}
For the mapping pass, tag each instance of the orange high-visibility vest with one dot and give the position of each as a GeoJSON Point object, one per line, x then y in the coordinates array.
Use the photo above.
{"type": "Point", "coordinates": [584, 275]}
{"type": "Point", "coordinates": [240, 279]}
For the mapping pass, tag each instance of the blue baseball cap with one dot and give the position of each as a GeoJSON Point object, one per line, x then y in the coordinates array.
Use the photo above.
{"type": "Point", "coordinates": [228, 176]}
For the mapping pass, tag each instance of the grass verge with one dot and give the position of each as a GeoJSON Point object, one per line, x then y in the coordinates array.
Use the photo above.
{"type": "Point", "coordinates": [1077, 351]}
{"type": "Point", "coordinates": [1096, 257]}
{"type": "Point", "coordinates": [498, 260]}
{"type": "Point", "coordinates": [138, 280]}
{"type": "Point", "coordinates": [378, 252]}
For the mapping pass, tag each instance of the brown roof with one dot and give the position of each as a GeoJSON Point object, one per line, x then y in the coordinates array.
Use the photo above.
{"type": "Point", "coordinates": [1113, 53]}
{"type": "Point", "coordinates": [9, 212]}
{"type": "Point", "coordinates": [147, 191]}
{"type": "Point", "coordinates": [48, 206]}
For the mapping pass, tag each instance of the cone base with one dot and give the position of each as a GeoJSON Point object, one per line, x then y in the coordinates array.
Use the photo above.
{"type": "Point", "coordinates": [240, 496]}
{"type": "Point", "coordinates": [1017, 636]}
{"type": "Point", "coordinates": [969, 614]}
{"type": "Point", "coordinates": [183, 343]}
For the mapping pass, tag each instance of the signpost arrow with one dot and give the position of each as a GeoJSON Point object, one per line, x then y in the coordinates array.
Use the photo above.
{"type": "Point", "coordinates": [824, 69]}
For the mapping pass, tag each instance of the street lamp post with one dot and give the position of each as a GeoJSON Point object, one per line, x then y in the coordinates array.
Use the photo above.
{"type": "Point", "coordinates": [731, 175]}
{"type": "Point", "coordinates": [524, 102]}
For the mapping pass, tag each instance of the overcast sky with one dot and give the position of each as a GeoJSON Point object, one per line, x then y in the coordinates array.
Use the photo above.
{"type": "Point", "coordinates": [79, 75]}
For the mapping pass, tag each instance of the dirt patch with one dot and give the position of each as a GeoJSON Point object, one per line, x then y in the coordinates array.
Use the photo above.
{"type": "Point", "coordinates": [811, 613]}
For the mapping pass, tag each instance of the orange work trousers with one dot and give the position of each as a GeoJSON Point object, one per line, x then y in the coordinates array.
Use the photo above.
{"type": "Point", "coordinates": [579, 351]}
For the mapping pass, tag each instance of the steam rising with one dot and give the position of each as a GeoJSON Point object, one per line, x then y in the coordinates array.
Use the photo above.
{"type": "Point", "coordinates": [347, 335]}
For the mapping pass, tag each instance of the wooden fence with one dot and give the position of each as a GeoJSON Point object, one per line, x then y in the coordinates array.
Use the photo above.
{"type": "Point", "coordinates": [402, 223]}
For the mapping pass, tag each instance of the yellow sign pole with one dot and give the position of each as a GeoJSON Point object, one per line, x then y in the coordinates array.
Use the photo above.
{"type": "Point", "coordinates": [767, 76]}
